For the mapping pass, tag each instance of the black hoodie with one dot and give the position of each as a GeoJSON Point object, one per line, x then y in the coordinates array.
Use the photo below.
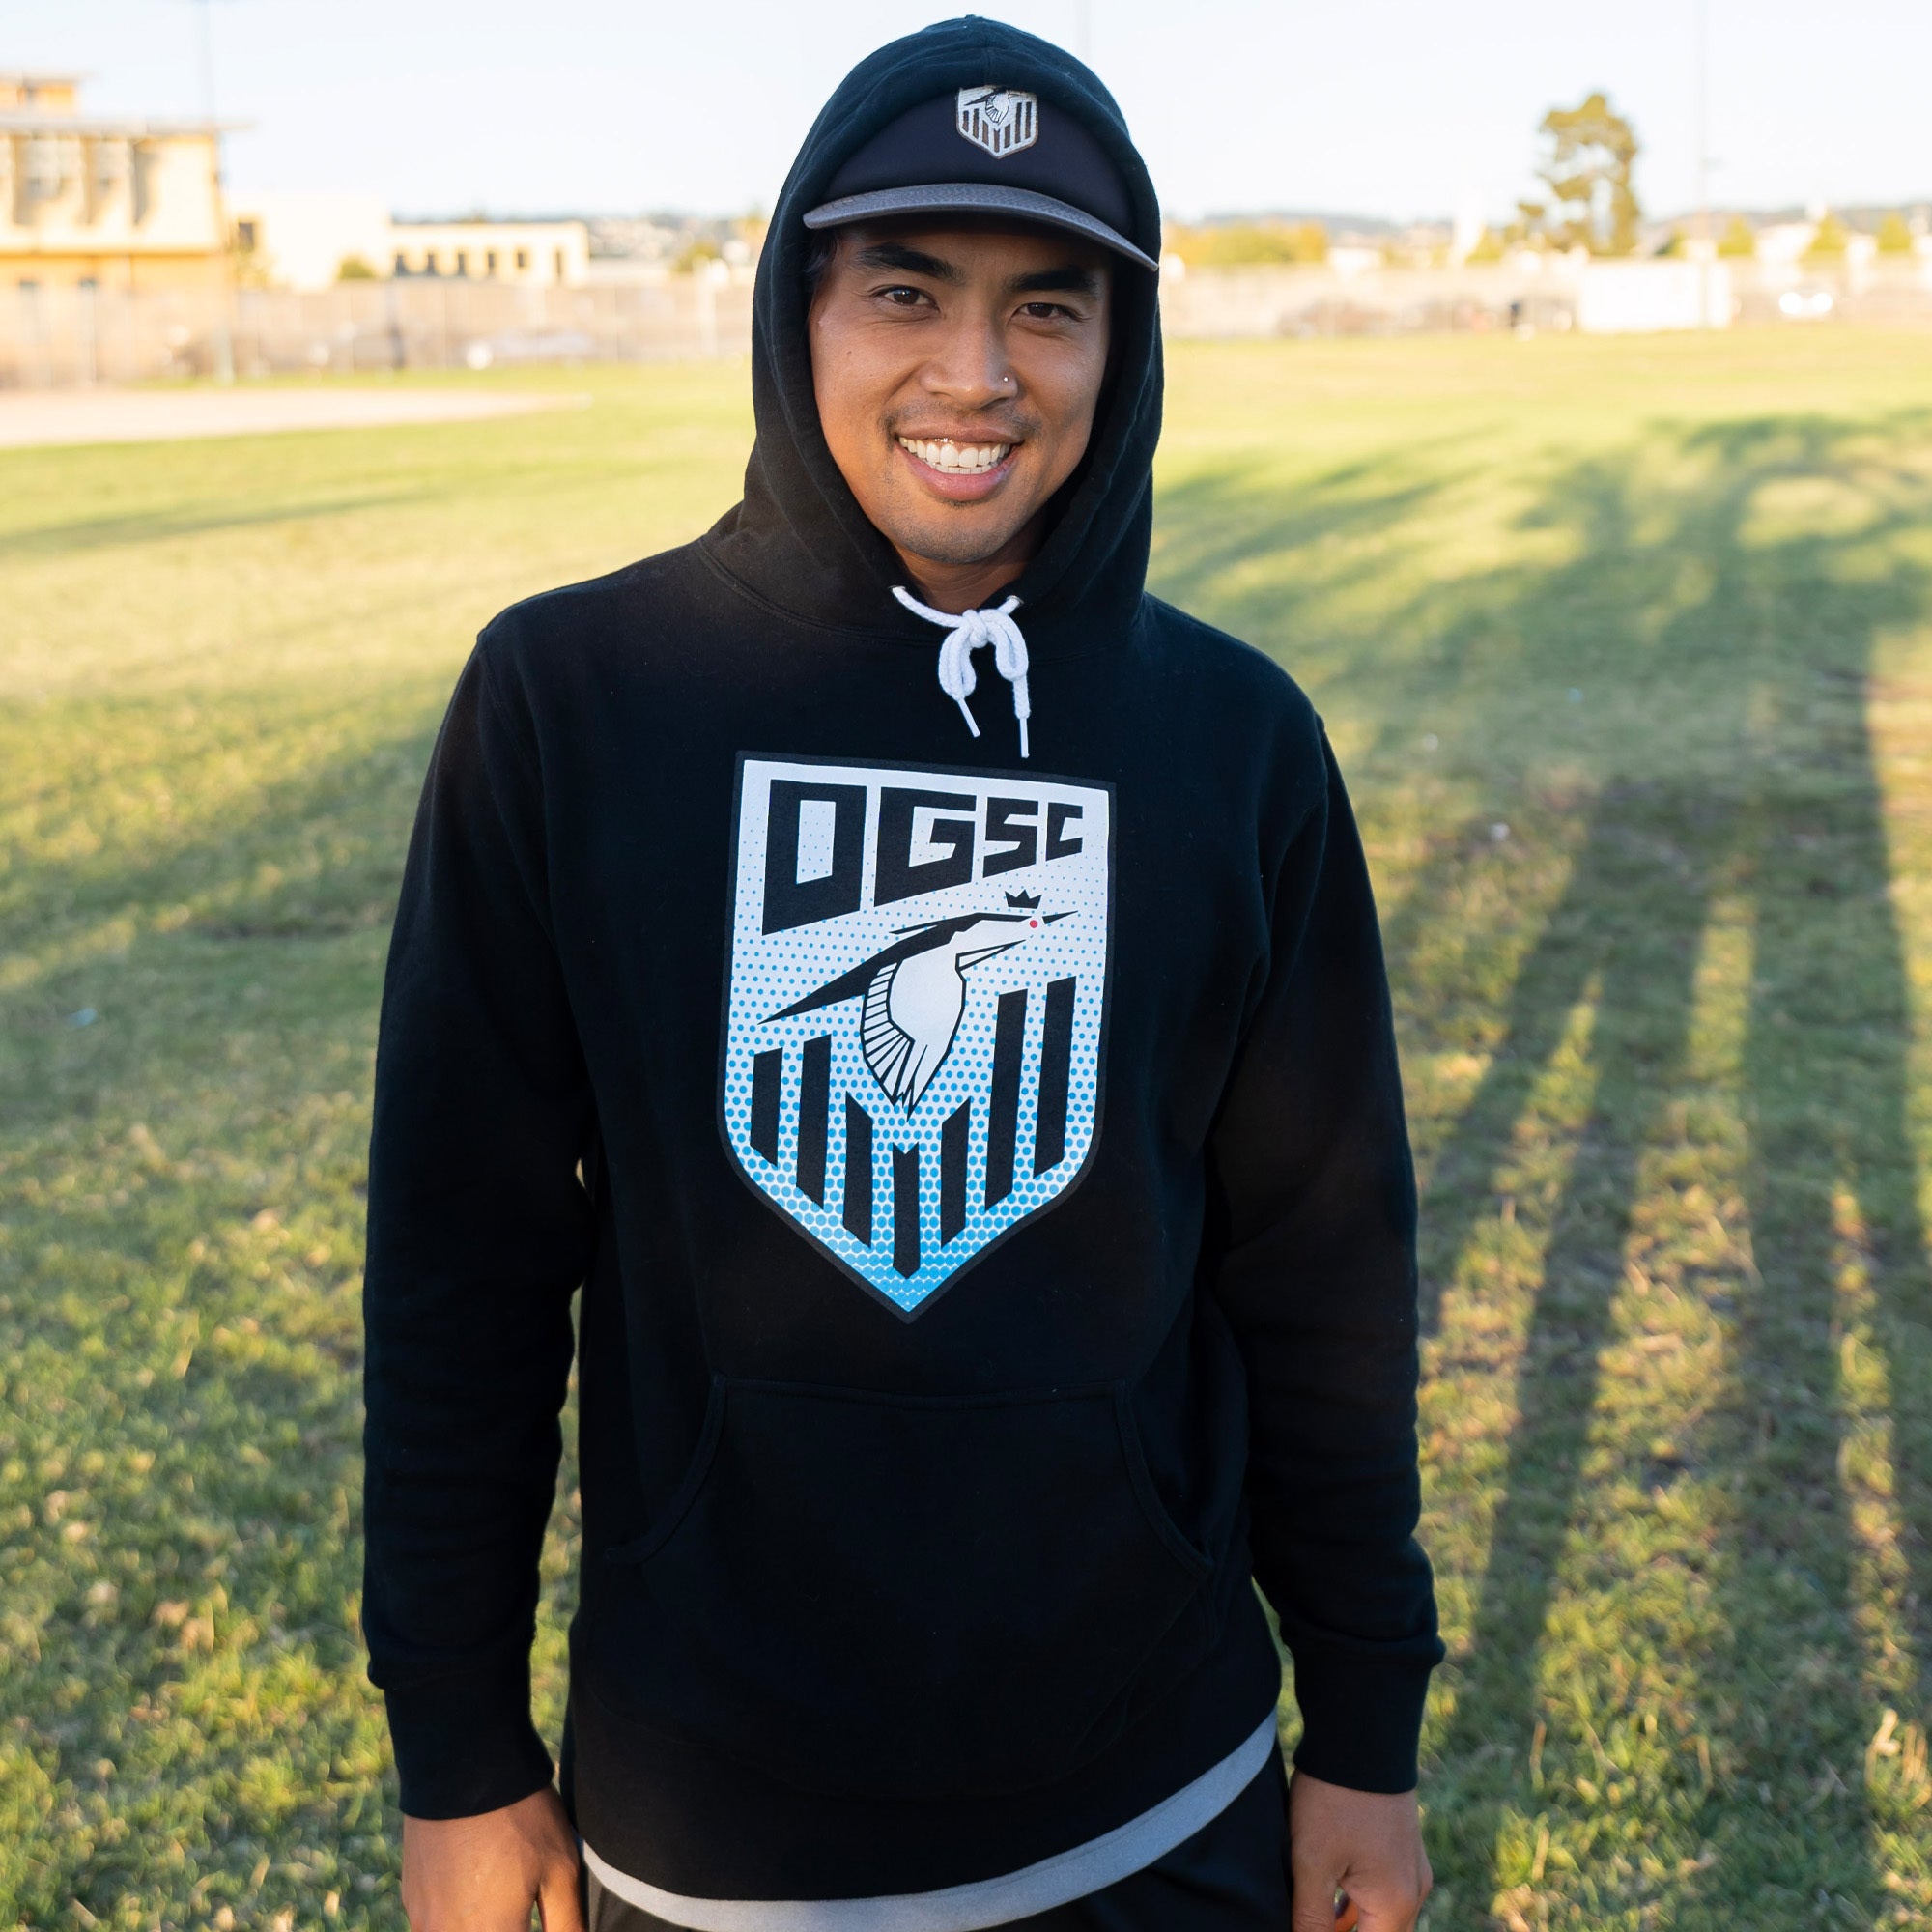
{"type": "Point", "coordinates": [987, 1182]}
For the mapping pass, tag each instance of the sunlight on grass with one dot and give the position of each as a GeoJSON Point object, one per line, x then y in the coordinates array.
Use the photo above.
{"type": "Point", "coordinates": [1626, 647]}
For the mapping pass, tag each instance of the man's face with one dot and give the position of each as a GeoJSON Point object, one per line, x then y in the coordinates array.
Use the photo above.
{"type": "Point", "coordinates": [956, 371]}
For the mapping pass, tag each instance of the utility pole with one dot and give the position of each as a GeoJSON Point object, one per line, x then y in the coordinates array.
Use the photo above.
{"type": "Point", "coordinates": [1702, 97]}
{"type": "Point", "coordinates": [223, 335]}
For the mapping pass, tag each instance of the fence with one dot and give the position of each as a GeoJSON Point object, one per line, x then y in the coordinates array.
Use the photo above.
{"type": "Point", "coordinates": [54, 338]}
{"type": "Point", "coordinates": [1538, 293]}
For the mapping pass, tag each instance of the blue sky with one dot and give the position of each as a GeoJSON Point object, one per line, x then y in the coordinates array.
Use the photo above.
{"type": "Point", "coordinates": [1393, 107]}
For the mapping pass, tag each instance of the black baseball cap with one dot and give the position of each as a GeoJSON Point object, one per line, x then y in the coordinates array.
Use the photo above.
{"type": "Point", "coordinates": [985, 151]}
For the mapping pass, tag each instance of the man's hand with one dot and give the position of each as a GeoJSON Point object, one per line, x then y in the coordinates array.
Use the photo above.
{"type": "Point", "coordinates": [1365, 1844]}
{"type": "Point", "coordinates": [483, 1874]}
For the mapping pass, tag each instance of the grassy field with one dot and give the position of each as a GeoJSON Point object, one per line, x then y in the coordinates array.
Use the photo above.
{"type": "Point", "coordinates": [1628, 649]}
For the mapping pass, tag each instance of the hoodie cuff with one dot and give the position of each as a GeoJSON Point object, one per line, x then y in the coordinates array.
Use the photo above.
{"type": "Point", "coordinates": [466, 1745]}
{"type": "Point", "coordinates": [1361, 1719]}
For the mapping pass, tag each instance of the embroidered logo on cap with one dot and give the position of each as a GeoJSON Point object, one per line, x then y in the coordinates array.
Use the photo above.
{"type": "Point", "coordinates": [998, 118]}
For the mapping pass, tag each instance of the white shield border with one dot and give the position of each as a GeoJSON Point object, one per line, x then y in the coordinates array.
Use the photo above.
{"type": "Point", "coordinates": [810, 1242]}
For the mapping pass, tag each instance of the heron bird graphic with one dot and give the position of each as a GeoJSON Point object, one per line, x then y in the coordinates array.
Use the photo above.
{"type": "Point", "coordinates": [915, 991]}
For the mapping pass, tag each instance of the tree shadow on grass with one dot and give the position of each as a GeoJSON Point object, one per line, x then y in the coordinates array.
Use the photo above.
{"type": "Point", "coordinates": [187, 1726]}
{"type": "Point", "coordinates": [1214, 526]}
{"type": "Point", "coordinates": [1834, 1355]}
{"type": "Point", "coordinates": [1735, 637]}
{"type": "Point", "coordinates": [152, 527]}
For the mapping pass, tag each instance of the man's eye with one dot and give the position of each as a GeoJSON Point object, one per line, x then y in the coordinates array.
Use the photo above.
{"type": "Point", "coordinates": [903, 297]}
{"type": "Point", "coordinates": [1044, 311]}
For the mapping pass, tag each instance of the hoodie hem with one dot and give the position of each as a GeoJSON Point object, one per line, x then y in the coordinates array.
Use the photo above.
{"type": "Point", "coordinates": [694, 1822]}
{"type": "Point", "coordinates": [1037, 1888]}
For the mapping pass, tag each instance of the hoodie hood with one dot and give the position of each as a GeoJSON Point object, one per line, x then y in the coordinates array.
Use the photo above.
{"type": "Point", "coordinates": [799, 538]}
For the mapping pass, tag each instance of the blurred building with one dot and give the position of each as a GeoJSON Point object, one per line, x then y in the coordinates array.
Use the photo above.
{"type": "Point", "coordinates": [313, 241]}
{"type": "Point", "coordinates": [108, 203]}
{"type": "Point", "coordinates": [540, 254]}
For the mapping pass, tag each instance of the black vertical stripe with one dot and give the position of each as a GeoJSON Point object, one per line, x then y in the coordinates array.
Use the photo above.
{"type": "Point", "coordinates": [767, 1074]}
{"type": "Point", "coordinates": [1003, 1104]}
{"type": "Point", "coordinates": [955, 1139]}
{"type": "Point", "coordinates": [1056, 1057]}
{"type": "Point", "coordinates": [905, 1209]}
{"type": "Point", "coordinates": [815, 1084]}
{"type": "Point", "coordinates": [858, 1171]}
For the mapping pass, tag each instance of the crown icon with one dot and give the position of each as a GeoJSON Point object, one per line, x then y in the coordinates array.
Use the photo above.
{"type": "Point", "coordinates": [1023, 901]}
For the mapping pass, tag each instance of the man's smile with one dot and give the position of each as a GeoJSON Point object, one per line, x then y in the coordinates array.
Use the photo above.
{"type": "Point", "coordinates": [957, 471]}
{"type": "Point", "coordinates": [956, 459]}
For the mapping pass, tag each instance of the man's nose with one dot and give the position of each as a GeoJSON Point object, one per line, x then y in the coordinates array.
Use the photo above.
{"type": "Point", "coordinates": [971, 367]}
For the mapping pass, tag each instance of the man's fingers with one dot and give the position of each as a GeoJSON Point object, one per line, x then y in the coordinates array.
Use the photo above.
{"type": "Point", "coordinates": [1392, 1917]}
{"type": "Point", "coordinates": [557, 1902]}
{"type": "Point", "coordinates": [1314, 1899]}
{"type": "Point", "coordinates": [1396, 1911]}
{"type": "Point", "coordinates": [1385, 1909]}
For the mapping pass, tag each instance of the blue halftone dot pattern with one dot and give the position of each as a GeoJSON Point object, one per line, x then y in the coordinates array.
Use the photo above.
{"type": "Point", "coordinates": [773, 971]}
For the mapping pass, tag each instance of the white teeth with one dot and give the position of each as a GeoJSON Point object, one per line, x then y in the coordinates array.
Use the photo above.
{"type": "Point", "coordinates": [957, 459]}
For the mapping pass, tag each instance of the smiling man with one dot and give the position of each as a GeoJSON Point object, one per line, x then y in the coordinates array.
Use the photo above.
{"type": "Point", "coordinates": [956, 369]}
{"type": "Point", "coordinates": [979, 1142]}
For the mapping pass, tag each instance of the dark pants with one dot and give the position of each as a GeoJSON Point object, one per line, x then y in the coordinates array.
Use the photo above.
{"type": "Point", "coordinates": [1231, 1876]}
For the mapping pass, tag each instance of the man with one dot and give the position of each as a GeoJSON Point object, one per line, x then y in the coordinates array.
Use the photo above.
{"type": "Point", "coordinates": [978, 1139]}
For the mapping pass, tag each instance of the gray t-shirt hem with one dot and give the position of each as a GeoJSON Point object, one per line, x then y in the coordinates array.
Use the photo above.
{"type": "Point", "coordinates": [992, 1901]}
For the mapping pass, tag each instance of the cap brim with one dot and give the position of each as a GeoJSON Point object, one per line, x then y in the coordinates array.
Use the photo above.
{"type": "Point", "coordinates": [975, 198]}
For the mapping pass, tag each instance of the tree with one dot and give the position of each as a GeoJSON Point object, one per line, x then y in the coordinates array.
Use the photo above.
{"type": "Point", "coordinates": [1739, 241]}
{"type": "Point", "coordinates": [353, 268]}
{"type": "Point", "coordinates": [1895, 234]}
{"type": "Point", "coordinates": [1242, 245]}
{"type": "Point", "coordinates": [1587, 171]}
{"type": "Point", "coordinates": [1828, 241]}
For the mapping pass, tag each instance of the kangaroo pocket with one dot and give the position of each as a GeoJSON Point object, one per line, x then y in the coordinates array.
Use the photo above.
{"type": "Point", "coordinates": [871, 1594]}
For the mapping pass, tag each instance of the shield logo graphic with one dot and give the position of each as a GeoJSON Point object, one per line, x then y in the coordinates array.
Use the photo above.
{"type": "Point", "coordinates": [917, 1007]}
{"type": "Point", "coordinates": [1002, 120]}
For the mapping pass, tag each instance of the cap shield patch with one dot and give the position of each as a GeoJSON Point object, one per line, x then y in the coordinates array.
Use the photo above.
{"type": "Point", "coordinates": [998, 118]}
{"type": "Point", "coordinates": [918, 985]}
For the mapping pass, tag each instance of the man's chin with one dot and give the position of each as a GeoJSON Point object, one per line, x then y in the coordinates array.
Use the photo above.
{"type": "Point", "coordinates": [957, 541]}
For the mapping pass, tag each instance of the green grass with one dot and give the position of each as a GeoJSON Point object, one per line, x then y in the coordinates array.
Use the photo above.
{"type": "Point", "coordinates": [1628, 649]}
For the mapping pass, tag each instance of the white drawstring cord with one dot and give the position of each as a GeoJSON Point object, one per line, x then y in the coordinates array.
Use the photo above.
{"type": "Point", "coordinates": [965, 633]}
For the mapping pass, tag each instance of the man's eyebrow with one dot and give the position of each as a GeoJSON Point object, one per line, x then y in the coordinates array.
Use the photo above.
{"type": "Point", "coordinates": [907, 260]}
{"type": "Point", "coordinates": [1072, 279]}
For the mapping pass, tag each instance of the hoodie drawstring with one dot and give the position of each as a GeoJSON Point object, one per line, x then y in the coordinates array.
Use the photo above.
{"type": "Point", "coordinates": [966, 631]}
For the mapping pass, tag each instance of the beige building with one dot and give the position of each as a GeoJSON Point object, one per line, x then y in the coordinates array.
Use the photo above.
{"type": "Point", "coordinates": [306, 241]}
{"type": "Point", "coordinates": [534, 254]}
{"type": "Point", "coordinates": [103, 202]}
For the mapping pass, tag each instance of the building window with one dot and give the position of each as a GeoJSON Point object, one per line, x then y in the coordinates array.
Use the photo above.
{"type": "Point", "coordinates": [245, 236]}
{"type": "Point", "coordinates": [401, 263]}
{"type": "Point", "coordinates": [45, 174]}
{"type": "Point", "coordinates": [490, 262]}
{"type": "Point", "coordinates": [463, 260]}
{"type": "Point", "coordinates": [559, 265]}
{"type": "Point", "coordinates": [110, 167]}
{"type": "Point", "coordinates": [143, 161]}
{"type": "Point", "coordinates": [431, 265]}
{"type": "Point", "coordinates": [523, 258]}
